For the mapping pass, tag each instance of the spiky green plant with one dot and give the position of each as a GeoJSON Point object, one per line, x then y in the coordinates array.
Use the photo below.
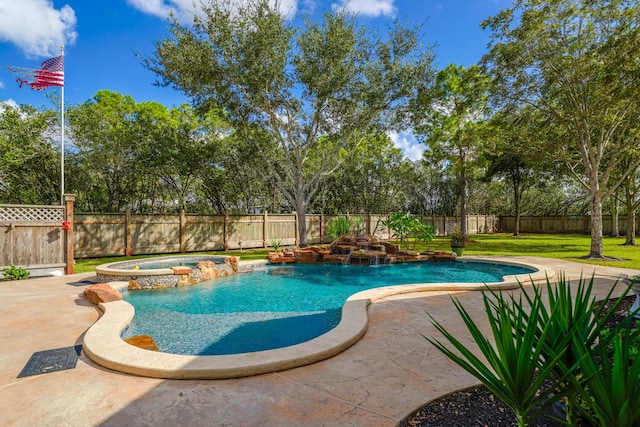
{"type": "Point", "coordinates": [573, 314]}
{"type": "Point", "coordinates": [613, 388]}
{"type": "Point", "coordinates": [276, 245]}
{"type": "Point", "coordinates": [556, 339]}
{"type": "Point", "coordinates": [512, 370]}
{"type": "Point", "coordinates": [338, 227]}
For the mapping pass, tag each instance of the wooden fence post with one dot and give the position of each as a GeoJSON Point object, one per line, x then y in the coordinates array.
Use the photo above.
{"type": "Point", "coordinates": [295, 215]}
{"type": "Point", "coordinates": [265, 236]}
{"type": "Point", "coordinates": [183, 231]}
{"type": "Point", "coordinates": [225, 232]}
{"type": "Point", "coordinates": [69, 199]}
{"type": "Point", "coordinates": [128, 250]}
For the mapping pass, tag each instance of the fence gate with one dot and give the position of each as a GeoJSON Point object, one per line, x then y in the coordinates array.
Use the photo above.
{"type": "Point", "coordinates": [35, 237]}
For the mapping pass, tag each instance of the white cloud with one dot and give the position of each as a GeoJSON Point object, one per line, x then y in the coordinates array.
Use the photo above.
{"type": "Point", "coordinates": [1, 84]}
{"type": "Point", "coordinates": [183, 9]}
{"type": "Point", "coordinates": [408, 143]}
{"type": "Point", "coordinates": [367, 7]}
{"type": "Point", "coordinates": [36, 27]}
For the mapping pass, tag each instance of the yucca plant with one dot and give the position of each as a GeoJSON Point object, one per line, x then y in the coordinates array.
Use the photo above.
{"type": "Point", "coordinates": [613, 388]}
{"type": "Point", "coordinates": [553, 341]}
{"type": "Point", "coordinates": [338, 227]}
{"type": "Point", "coordinates": [276, 245]}
{"type": "Point", "coordinates": [575, 315]}
{"type": "Point", "coordinates": [512, 370]}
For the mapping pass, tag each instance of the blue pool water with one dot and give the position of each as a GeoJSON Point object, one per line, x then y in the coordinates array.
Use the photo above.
{"type": "Point", "coordinates": [277, 306]}
{"type": "Point", "coordinates": [168, 264]}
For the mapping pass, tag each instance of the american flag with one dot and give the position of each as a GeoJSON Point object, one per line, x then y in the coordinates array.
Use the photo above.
{"type": "Point", "coordinates": [51, 74]}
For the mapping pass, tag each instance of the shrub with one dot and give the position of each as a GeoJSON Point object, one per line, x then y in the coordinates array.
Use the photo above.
{"type": "Point", "coordinates": [512, 370]}
{"type": "Point", "coordinates": [457, 239]}
{"type": "Point", "coordinates": [405, 226]}
{"type": "Point", "coordinates": [612, 389]}
{"type": "Point", "coordinates": [276, 244]}
{"type": "Point", "coordinates": [15, 273]}
{"type": "Point", "coordinates": [564, 343]}
{"type": "Point", "coordinates": [338, 227]}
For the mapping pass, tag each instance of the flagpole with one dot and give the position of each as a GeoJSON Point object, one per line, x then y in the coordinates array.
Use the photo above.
{"type": "Point", "coordinates": [62, 137]}
{"type": "Point", "coordinates": [50, 73]}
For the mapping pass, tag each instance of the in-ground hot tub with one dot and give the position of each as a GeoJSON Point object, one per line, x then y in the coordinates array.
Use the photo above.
{"type": "Point", "coordinates": [166, 272]}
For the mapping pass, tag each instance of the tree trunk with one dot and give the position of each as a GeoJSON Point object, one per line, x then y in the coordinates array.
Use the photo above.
{"type": "Point", "coordinates": [516, 202]}
{"type": "Point", "coordinates": [630, 238]}
{"type": "Point", "coordinates": [301, 210]}
{"type": "Point", "coordinates": [596, 224]}
{"type": "Point", "coordinates": [463, 201]}
{"type": "Point", "coordinates": [615, 224]}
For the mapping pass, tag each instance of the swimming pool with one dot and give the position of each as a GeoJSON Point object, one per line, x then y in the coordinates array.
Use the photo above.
{"type": "Point", "coordinates": [104, 345]}
{"type": "Point", "coordinates": [278, 306]}
{"type": "Point", "coordinates": [169, 271]}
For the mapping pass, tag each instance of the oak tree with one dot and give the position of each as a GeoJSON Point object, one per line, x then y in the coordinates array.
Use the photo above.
{"type": "Point", "coordinates": [305, 91]}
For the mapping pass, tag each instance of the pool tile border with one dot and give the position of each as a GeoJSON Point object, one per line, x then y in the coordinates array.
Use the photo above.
{"type": "Point", "coordinates": [102, 342]}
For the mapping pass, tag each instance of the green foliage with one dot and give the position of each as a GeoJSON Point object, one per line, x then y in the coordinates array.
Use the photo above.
{"type": "Point", "coordinates": [569, 60]}
{"type": "Point", "coordinates": [29, 155]}
{"type": "Point", "coordinates": [375, 177]}
{"type": "Point", "coordinates": [607, 335]}
{"type": "Point", "coordinates": [563, 343]}
{"type": "Point", "coordinates": [452, 119]}
{"type": "Point", "coordinates": [135, 155]}
{"type": "Point", "coordinates": [612, 389]}
{"type": "Point", "coordinates": [338, 227]}
{"type": "Point", "coordinates": [357, 224]}
{"type": "Point", "coordinates": [458, 239]}
{"type": "Point", "coordinates": [301, 95]}
{"type": "Point", "coordinates": [406, 226]}
{"type": "Point", "coordinates": [15, 273]}
{"type": "Point", "coordinates": [276, 245]}
{"type": "Point", "coordinates": [512, 372]}
{"type": "Point", "coordinates": [579, 317]}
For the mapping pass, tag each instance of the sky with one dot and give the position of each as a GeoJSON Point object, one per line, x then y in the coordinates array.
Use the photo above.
{"type": "Point", "coordinates": [103, 41]}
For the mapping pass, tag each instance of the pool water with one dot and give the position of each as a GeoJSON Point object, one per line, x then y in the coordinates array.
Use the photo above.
{"type": "Point", "coordinates": [277, 306]}
{"type": "Point", "coordinates": [168, 264]}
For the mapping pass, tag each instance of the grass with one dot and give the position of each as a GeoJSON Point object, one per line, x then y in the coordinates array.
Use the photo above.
{"type": "Point", "coordinates": [569, 247]}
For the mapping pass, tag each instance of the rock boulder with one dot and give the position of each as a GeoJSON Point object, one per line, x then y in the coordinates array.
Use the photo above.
{"type": "Point", "coordinates": [101, 293]}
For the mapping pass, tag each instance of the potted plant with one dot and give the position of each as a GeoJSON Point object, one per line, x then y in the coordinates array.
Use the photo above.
{"type": "Point", "coordinates": [458, 242]}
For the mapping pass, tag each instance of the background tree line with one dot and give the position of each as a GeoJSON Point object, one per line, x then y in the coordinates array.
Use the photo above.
{"type": "Point", "coordinates": [152, 159]}
{"type": "Point", "coordinates": [148, 158]}
{"type": "Point", "coordinates": [296, 118]}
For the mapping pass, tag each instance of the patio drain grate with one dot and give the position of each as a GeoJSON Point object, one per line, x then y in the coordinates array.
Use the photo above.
{"type": "Point", "coordinates": [59, 359]}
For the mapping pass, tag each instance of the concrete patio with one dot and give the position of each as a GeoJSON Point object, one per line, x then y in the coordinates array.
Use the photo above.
{"type": "Point", "coordinates": [378, 381]}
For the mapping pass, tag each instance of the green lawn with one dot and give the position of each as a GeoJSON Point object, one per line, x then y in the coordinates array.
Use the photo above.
{"type": "Point", "coordinates": [567, 246]}
{"type": "Point", "coordinates": [571, 247]}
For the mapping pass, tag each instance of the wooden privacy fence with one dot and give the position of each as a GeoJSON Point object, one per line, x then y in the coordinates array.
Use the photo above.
{"type": "Point", "coordinates": [38, 238]}
{"type": "Point", "coordinates": [566, 224]}
{"type": "Point", "coordinates": [99, 235]}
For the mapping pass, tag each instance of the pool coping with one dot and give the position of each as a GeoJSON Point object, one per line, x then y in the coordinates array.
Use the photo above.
{"type": "Point", "coordinates": [107, 269]}
{"type": "Point", "coordinates": [102, 342]}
